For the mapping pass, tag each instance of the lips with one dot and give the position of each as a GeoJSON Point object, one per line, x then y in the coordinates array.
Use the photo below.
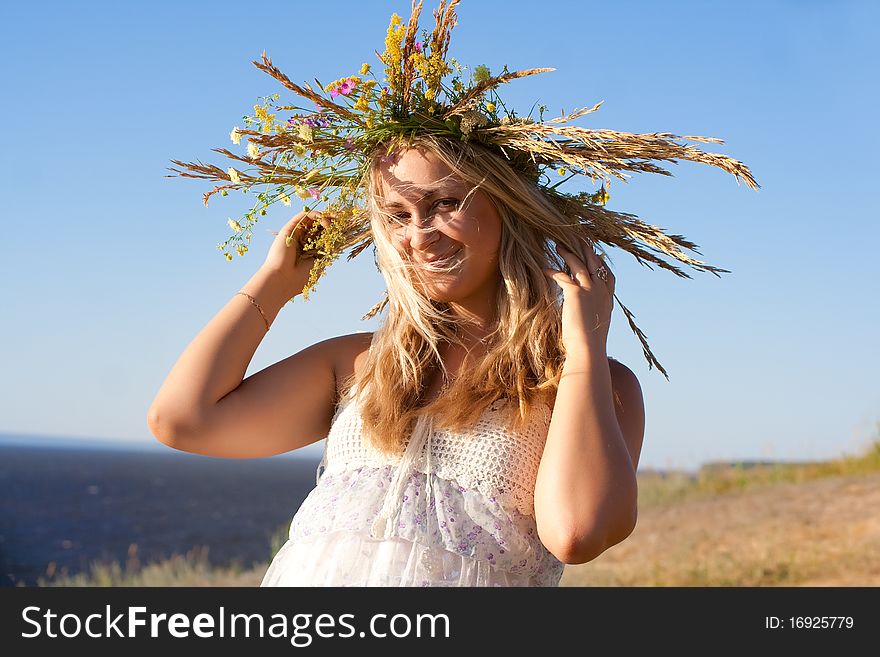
{"type": "Point", "coordinates": [440, 259]}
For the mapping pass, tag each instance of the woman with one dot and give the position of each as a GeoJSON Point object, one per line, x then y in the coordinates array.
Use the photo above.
{"type": "Point", "coordinates": [481, 437]}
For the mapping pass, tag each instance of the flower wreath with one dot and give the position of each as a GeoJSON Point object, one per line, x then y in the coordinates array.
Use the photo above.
{"type": "Point", "coordinates": [319, 155]}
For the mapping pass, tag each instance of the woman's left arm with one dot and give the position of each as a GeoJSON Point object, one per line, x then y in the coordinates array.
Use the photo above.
{"type": "Point", "coordinates": [586, 491]}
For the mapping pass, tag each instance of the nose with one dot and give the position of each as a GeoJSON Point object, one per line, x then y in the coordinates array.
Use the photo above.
{"type": "Point", "coordinates": [421, 233]}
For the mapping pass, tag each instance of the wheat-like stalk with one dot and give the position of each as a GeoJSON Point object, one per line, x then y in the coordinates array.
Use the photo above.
{"type": "Point", "coordinates": [472, 97]}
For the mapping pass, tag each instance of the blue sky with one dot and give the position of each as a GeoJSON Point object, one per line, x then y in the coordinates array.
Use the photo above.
{"type": "Point", "coordinates": [111, 268]}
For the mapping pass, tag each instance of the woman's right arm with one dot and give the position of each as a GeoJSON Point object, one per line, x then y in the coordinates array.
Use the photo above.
{"type": "Point", "coordinates": [205, 406]}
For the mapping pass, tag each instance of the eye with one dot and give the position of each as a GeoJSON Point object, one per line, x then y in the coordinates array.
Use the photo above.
{"type": "Point", "coordinates": [448, 203]}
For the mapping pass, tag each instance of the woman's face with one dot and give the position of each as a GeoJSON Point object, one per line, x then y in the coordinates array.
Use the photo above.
{"type": "Point", "coordinates": [432, 214]}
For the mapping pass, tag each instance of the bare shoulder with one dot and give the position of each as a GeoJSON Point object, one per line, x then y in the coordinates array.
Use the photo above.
{"type": "Point", "coordinates": [629, 406]}
{"type": "Point", "coordinates": [350, 351]}
{"type": "Point", "coordinates": [623, 379]}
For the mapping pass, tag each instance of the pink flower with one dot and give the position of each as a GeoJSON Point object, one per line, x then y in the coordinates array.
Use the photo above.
{"type": "Point", "coordinates": [346, 87]}
{"type": "Point", "coordinates": [315, 192]}
{"type": "Point", "coordinates": [418, 46]}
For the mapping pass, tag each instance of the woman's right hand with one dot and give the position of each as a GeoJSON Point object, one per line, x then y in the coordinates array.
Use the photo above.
{"type": "Point", "coordinates": [285, 256]}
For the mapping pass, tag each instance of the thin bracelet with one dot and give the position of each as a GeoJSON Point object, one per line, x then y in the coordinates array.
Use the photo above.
{"type": "Point", "coordinates": [254, 301]}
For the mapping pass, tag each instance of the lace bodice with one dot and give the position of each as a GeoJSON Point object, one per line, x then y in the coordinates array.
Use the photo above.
{"type": "Point", "coordinates": [456, 509]}
{"type": "Point", "coordinates": [499, 463]}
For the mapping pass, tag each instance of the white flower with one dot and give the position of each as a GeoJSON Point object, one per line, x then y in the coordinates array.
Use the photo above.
{"type": "Point", "coordinates": [253, 150]}
{"type": "Point", "coordinates": [233, 175]}
{"type": "Point", "coordinates": [234, 225]}
{"type": "Point", "coordinates": [285, 199]}
{"type": "Point", "coordinates": [235, 135]}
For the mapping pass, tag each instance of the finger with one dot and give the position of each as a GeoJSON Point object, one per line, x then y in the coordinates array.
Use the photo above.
{"type": "Point", "coordinates": [596, 261]}
{"type": "Point", "coordinates": [576, 265]}
{"type": "Point", "coordinates": [558, 277]}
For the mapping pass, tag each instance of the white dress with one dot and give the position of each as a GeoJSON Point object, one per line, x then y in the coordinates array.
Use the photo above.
{"type": "Point", "coordinates": [453, 510]}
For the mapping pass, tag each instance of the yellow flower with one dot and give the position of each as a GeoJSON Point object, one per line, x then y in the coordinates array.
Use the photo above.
{"type": "Point", "coordinates": [429, 94]}
{"type": "Point", "coordinates": [234, 225]}
{"type": "Point", "coordinates": [233, 175]}
{"type": "Point", "coordinates": [365, 69]}
{"type": "Point", "coordinates": [241, 249]}
{"type": "Point", "coordinates": [305, 132]}
{"type": "Point", "coordinates": [301, 192]}
{"type": "Point", "coordinates": [285, 199]}
{"type": "Point", "coordinates": [490, 107]}
{"type": "Point", "coordinates": [363, 104]}
{"type": "Point", "coordinates": [229, 256]}
{"type": "Point", "coordinates": [253, 150]}
{"type": "Point", "coordinates": [235, 135]}
{"type": "Point", "coordinates": [299, 150]}
{"type": "Point", "coordinates": [561, 171]}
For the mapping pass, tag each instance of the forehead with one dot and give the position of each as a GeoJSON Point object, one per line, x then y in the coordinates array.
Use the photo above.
{"type": "Point", "coordinates": [414, 174]}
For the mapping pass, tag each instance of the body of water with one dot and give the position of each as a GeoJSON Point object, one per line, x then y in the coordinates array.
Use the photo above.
{"type": "Point", "coordinates": [72, 504]}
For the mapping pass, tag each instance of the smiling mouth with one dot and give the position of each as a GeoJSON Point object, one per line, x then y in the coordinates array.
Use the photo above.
{"type": "Point", "coordinates": [442, 265]}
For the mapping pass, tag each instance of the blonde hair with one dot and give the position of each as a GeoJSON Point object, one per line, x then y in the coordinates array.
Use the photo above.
{"type": "Point", "coordinates": [524, 352]}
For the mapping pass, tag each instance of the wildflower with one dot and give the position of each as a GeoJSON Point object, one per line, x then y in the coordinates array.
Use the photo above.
{"type": "Point", "coordinates": [234, 225]}
{"type": "Point", "coordinates": [490, 107]}
{"type": "Point", "coordinates": [429, 94]}
{"type": "Point", "coordinates": [301, 192]}
{"type": "Point", "coordinates": [363, 104]}
{"type": "Point", "coordinates": [235, 135]}
{"type": "Point", "coordinates": [305, 132]}
{"type": "Point", "coordinates": [228, 256]}
{"type": "Point", "coordinates": [418, 46]}
{"type": "Point", "coordinates": [365, 69]}
{"type": "Point", "coordinates": [481, 73]}
{"type": "Point", "coordinates": [233, 175]}
{"type": "Point", "coordinates": [241, 249]}
{"type": "Point", "coordinates": [253, 150]}
{"type": "Point", "coordinates": [314, 192]}
{"type": "Point", "coordinates": [561, 171]}
{"type": "Point", "coordinates": [347, 86]}
{"type": "Point", "coordinates": [284, 198]}
{"type": "Point", "coordinates": [601, 197]}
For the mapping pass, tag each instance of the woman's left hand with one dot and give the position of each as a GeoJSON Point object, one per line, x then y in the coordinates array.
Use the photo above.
{"type": "Point", "coordinates": [587, 299]}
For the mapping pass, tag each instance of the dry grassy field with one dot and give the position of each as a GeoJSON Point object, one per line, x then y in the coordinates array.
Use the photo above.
{"type": "Point", "coordinates": [811, 524]}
